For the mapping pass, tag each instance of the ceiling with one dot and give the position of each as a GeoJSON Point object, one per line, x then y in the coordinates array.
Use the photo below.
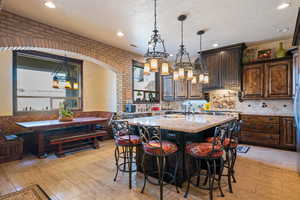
{"type": "Point", "coordinates": [227, 22]}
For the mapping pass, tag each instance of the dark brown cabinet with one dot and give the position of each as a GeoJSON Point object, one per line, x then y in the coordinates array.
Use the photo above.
{"type": "Point", "coordinates": [273, 131]}
{"type": "Point", "coordinates": [224, 67]}
{"type": "Point", "coordinates": [288, 132]}
{"type": "Point", "coordinates": [268, 79]}
{"type": "Point", "coordinates": [279, 79]}
{"type": "Point", "coordinates": [167, 88]}
{"type": "Point", "coordinates": [253, 81]}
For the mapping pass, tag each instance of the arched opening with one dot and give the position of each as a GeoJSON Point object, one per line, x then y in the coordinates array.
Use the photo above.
{"type": "Point", "coordinates": [100, 80]}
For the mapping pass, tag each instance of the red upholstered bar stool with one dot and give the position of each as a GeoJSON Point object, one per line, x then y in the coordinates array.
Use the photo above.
{"type": "Point", "coordinates": [230, 146]}
{"type": "Point", "coordinates": [125, 142]}
{"type": "Point", "coordinates": [155, 147]}
{"type": "Point", "coordinates": [206, 156]}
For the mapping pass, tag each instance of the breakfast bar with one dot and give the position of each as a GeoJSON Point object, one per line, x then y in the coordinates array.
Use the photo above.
{"type": "Point", "coordinates": [180, 129]}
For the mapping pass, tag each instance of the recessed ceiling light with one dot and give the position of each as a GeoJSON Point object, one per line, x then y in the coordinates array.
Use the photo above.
{"type": "Point", "coordinates": [215, 45]}
{"type": "Point", "coordinates": [120, 34]}
{"type": "Point", "coordinates": [171, 55]}
{"type": "Point", "coordinates": [283, 6]}
{"type": "Point", "coordinates": [50, 4]}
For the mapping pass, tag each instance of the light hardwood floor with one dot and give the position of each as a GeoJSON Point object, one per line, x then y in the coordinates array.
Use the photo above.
{"type": "Point", "coordinates": [88, 175]}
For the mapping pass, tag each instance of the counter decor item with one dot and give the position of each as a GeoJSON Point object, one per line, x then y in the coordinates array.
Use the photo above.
{"type": "Point", "coordinates": [249, 55]}
{"type": "Point", "coordinates": [65, 115]}
{"type": "Point", "coordinates": [264, 54]}
{"type": "Point", "coordinates": [280, 52]}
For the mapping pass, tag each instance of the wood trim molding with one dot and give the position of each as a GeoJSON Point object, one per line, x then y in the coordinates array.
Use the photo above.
{"type": "Point", "coordinates": [296, 38]}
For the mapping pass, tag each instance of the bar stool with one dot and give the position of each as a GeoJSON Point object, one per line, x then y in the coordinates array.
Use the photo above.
{"type": "Point", "coordinates": [230, 147]}
{"type": "Point", "coordinates": [159, 149]}
{"type": "Point", "coordinates": [126, 142]}
{"type": "Point", "coordinates": [210, 155]}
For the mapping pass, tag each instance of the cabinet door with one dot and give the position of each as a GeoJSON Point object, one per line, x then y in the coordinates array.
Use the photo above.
{"type": "Point", "coordinates": [213, 62]}
{"type": "Point", "coordinates": [288, 132]}
{"type": "Point", "coordinates": [296, 72]}
{"type": "Point", "coordinates": [195, 91]}
{"type": "Point", "coordinates": [181, 90]}
{"type": "Point", "coordinates": [253, 81]}
{"type": "Point", "coordinates": [167, 88]}
{"type": "Point", "coordinates": [279, 79]}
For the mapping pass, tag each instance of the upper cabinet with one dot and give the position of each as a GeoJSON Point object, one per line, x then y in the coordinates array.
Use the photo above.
{"type": "Point", "coordinates": [253, 81]}
{"type": "Point", "coordinates": [224, 67]}
{"type": "Point", "coordinates": [181, 89]}
{"type": "Point", "coordinates": [167, 88]}
{"type": "Point", "coordinates": [195, 91]}
{"type": "Point", "coordinates": [268, 79]}
{"type": "Point", "coordinates": [279, 79]}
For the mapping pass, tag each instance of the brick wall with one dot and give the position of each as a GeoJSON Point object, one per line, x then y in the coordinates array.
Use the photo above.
{"type": "Point", "coordinates": [19, 32]}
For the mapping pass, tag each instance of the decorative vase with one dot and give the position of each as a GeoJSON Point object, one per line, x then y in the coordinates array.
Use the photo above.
{"type": "Point", "coordinates": [281, 52]}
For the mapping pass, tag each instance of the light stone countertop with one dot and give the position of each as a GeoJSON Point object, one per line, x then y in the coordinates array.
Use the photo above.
{"type": "Point", "coordinates": [182, 123]}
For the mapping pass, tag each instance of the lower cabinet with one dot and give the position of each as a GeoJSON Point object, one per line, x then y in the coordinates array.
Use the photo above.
{"type": "Point", "coordinates": [288, 132]}
{"type": "Point", "coordinates": [273, 131]}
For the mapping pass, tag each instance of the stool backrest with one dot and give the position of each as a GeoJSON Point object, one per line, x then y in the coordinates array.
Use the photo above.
{"type": "Point", "coordinates": [120, 128]}
{"type": "Point", "coordinates": [234, 131]}
{"type": "Point", "coordinates": [151, 135]}
{"type": "Point", "coordinates": [219, 136]}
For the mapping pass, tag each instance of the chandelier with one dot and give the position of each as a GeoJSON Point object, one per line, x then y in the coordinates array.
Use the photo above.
{"type": "Point", "coordinates": [200, 65]}
{"type": "Point", "coordinates": [156, 54]}
{"type": "Point", "coordinates": [64, 78]}
{"type": "Point", "coordinates": [183, 68]}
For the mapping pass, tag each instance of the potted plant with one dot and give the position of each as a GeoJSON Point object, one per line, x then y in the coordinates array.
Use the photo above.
{"type": "Point", "coordinates": [65, 114]}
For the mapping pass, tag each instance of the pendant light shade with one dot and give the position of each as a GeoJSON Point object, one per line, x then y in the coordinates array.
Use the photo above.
{"type": "Point", "coordinates": [154, 65]}
{"type": "Point", "coordinates": [200, 65]}
{"type": "Point", "coordinates": [175, 76]}
{"type": "Point", "coordinates": [181, 73]}
{"type": "Point", "coordinates": [194, 80]}
{"type": "Point", "coordinates": [165, 69]}
{"type": "Point", "coordinates": [156, 52]}
{"type": "Point", "coordinates": [190, 75]}
{"type": "Point", "coordinates": [183, 62]}
{"type": "Point", "coordinates": [146, 69]}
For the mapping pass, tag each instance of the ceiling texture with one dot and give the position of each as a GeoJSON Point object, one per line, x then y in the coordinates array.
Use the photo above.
{"type": "Point", "coordinates": [226, 21]}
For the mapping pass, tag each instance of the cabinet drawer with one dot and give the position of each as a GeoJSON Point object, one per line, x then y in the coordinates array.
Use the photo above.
{"type": "Point", "coordinates": [259, 138]}
{"type": "Point", "coordinates": [261, 128]}
{"type": "Point", "coordinates": [260, 119]}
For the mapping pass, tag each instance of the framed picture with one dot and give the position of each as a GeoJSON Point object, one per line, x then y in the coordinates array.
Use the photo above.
{"type": "Point", "coordinates": [264, 54]}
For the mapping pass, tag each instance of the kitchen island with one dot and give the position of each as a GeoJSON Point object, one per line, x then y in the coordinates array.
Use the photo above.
{"type": "Point", "coordinates": [180, 129]}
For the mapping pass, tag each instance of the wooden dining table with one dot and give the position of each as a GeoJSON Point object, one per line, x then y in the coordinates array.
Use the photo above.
{"type": "Point", "coordinates": [41, 127]}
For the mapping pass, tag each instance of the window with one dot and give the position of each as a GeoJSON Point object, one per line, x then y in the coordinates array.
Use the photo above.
{"type": "Point", "coordinates": [145, 87]}
{"type": "Point", "coordinates": [33, 81]}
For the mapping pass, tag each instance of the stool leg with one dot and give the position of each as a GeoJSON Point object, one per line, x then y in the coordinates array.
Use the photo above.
{"type": "Point", "coordinates": [229, 171]}
{"type": "Point", "coordinates": [125, 156]}
{"type": "Point", "coordinates": [145, 173]}
{"type": "Point", "coordinates": [187, 160]}
{"type": "Point", "coordinates": [175, 172]}
{"type": "Point", "coordinates": [161, 167]}
{"type": "Point", "coordinates": [210, 185]}
{"type": "Point", "coordinates": [130, 166]}
{"type": "Point", "coordinates": [233, 152]}
{"type": "Point", "coordinates": [117, 154]}
{"type": "Point", "coordinates": [220, 176]}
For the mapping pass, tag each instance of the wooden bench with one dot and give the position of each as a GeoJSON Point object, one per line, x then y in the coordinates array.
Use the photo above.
{"type": "Point", "coordinates": [67, 142]}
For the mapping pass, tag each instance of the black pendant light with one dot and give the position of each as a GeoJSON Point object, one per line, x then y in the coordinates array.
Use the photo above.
{"type": "Point", "coordinates": [156, 53]}
{"type": "Point", "coordinates": [200, 65]}
{"type": "Point", "coordinates": [183, 68]}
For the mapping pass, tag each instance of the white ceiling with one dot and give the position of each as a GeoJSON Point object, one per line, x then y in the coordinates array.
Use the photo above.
{"type": "Point", "coordinates": [226, 21]}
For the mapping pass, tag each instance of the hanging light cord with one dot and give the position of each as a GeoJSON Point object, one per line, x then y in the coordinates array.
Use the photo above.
{"type": "Point", "coordinates": [155, 16]}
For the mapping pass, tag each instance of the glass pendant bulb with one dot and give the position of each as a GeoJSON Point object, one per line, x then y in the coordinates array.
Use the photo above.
{"type": "Point", "coordinates": [190, 75]}
{"type": "Point", "coordinates": [165, 69]}
{"type": "Point", "coordinates": [194, 80]}
{"type": "Point", "coordinates": [146, 69]}
{"type": "Point", "coordinates": [175, 76]}
{"type": "Point", "coordinates": [201, 78]}
{"type": "Point", "coordinates": [55, 83]}
{"type": "Point", "coordinates": [154, 65]}
{"type": "Point", "coordinates": [68, 85]}
{"type": "Point", "coordinates": [181, 73]}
